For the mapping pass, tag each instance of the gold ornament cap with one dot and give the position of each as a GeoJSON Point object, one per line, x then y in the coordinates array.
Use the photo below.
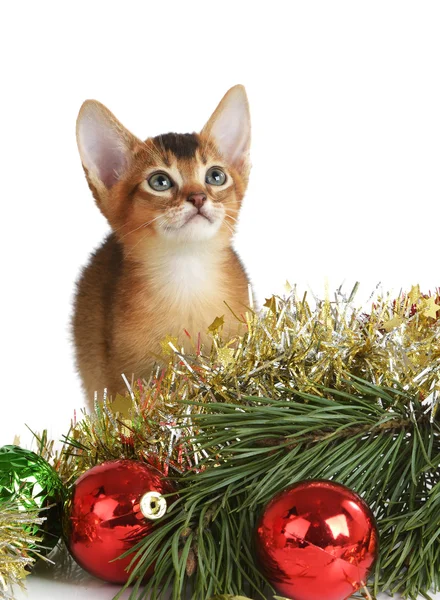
{"type": "Point", "coordinates": [153, 505]}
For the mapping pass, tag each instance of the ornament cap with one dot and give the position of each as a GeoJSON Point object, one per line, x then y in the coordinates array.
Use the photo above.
{"type": "Point", "coordinates": [153, 505]}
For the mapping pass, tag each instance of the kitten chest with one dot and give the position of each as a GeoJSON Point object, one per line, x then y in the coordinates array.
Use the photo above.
{"type": "Point", "coordinates": [182, 295]}
{"type": "Point", "coordinates": [184, 292]}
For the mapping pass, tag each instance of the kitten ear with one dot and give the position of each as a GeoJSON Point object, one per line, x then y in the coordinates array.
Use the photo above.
{"type": "Point", "coordinates": [105, 146]}
{"type": "Point", "coordinates": [230, 126]}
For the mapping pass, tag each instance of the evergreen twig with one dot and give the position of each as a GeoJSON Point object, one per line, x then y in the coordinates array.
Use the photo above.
{"type": "Point", "coordinates": [375, 440]}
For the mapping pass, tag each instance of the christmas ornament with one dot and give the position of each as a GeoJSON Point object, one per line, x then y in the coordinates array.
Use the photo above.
{"type": "Point", "coordinates": [112, 507]}
{"type": "Point", "coordinates": [29, 483]}
{"type": "Point", "coordinates": [316, 540]}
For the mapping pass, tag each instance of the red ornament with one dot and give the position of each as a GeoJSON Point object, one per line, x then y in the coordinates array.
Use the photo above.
{"type": "Point", "coordinates": [112, 507]}
{"type": "Point", "coordinates": [315, 540]}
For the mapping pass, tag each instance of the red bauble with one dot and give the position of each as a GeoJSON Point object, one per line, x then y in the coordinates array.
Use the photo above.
{"type": "Point", "coordinates": [105, 515]}
{"type": "Point", "coordinates": [316, 540]}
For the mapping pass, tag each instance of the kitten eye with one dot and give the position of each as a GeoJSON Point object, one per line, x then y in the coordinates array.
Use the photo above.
{"type": "Point", "coordinates": [160, 182]}
{"type": "Point", "coordinates": [215, 176]}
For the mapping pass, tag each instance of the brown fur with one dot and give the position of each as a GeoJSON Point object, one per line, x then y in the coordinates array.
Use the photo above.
{"type": "Point", "coordinates": [140, 286]}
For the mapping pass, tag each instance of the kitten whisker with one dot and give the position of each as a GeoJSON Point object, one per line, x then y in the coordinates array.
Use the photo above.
{"type": "Point", "coordinates": [231, 217]}
{"type": "Point", "coordinates": [144, 237]}
{"type": "Point", "coordinates": [140, 227]}
{"type": "Point", "coordinates": [155, 155]}
{"type": "Point", "coordinates": [229, 227]}
{"type": "Point", "coordinates": [115, 230]}
{"type": "Point", "coordinates": [228, 204]}
{"type": "Point", "coordinates": [207, 141]}
{"type": "Point", "coordinates": [163, 149]}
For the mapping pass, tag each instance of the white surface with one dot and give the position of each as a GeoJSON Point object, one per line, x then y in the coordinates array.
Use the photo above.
{"type": "Point", "coordinates": [70, 582]}
{"type": "Point", "coordinates": [53, 583]}
{"type": "Point", "coordinates": [345, 106]}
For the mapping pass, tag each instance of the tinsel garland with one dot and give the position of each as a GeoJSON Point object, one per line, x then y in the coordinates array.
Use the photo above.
{"type": "Point", "coordinates": [18, 533]}
{"type": "Point", "coordinates": [378, 365]}
{"type": "Point", "coordinates": [290, 345]}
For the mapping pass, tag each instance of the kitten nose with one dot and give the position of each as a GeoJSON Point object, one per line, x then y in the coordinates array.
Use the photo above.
{"type": "Point", "coordinates": [197, 199]}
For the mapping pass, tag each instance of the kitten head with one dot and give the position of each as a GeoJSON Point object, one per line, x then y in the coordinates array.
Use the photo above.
{"type": "Point", "coordinates": [176, 187]}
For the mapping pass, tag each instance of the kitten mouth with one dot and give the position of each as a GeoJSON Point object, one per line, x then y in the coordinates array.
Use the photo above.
{"type": "Point", "coordinates": [197, 214]}
{"type": "Point", "coordinates": [190, 219]}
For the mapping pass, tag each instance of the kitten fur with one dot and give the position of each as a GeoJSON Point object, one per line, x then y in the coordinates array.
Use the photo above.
{"type": "Point", "coordinates": [168, 266]}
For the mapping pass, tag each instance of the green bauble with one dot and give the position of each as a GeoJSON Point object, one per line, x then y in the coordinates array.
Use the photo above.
{"type": "Point", "coordinates": [30, 483]}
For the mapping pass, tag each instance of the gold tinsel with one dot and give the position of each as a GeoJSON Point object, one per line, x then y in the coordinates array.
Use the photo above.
{"type": "Point", "coordinates": [291, 344]}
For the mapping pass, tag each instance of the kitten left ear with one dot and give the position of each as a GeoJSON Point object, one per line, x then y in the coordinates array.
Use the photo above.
{"type": "Point", "coordinates": [230, 127]}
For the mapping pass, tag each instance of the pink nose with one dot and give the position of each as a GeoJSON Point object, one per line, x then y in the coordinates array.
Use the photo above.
{"type": "Point", "coordinates": [197, 199]}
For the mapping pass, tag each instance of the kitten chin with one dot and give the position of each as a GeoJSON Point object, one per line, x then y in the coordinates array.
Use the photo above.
{"type": "Point", "coordinates": [168, 268]}
{"type": "Point", "coordinates": [195, 228]}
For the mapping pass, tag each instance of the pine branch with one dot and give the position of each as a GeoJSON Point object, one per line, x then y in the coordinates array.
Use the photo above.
{"type": "Point", "coordinates": [377, 441]}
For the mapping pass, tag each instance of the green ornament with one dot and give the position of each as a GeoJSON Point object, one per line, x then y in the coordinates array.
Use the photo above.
{"type": "Point", "coordinates": [30, 483]}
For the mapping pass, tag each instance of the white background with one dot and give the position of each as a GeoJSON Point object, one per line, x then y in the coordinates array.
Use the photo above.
{"type": "Point", "coordinates": [345, 105]}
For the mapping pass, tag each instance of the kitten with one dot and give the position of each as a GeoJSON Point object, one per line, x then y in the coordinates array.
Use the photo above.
{"type": "Point", "coordinates": [168, 265]}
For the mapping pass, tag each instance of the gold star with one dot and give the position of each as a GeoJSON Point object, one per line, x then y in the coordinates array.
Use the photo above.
{"type": "Point", "coordinates": [430, 308]}
{"type": "Point", "coordinates": [392, 323]}
{"type": "Point", "coordinates": [165, 344]}
{"type": "Point", "coordinates": [217, 324]}
{"type": "Point", "coordinates": [225, 356]}
{"type": "Point", "coordinates": [122, 405]}
{"type": "Point", "coordinates": [271, 304]}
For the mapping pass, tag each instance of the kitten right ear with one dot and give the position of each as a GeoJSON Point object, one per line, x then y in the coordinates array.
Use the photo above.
{"type": "Point", "coordinates": [105, 146]}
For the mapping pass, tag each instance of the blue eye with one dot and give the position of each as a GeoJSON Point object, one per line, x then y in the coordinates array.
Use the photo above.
{"type": "Point", "coordinates": [160, 182]}
{"type": "Point", "coordinates": [215, 176]}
